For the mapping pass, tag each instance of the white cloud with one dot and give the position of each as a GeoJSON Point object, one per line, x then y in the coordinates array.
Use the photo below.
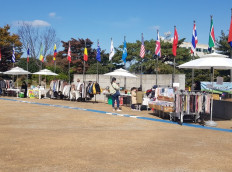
{"type": "Point", "coordinates": [155, 27]}
{"type": "Point", "coordinates": [35, 23]}
{"type": "Point", "coordinates": [52, 14]}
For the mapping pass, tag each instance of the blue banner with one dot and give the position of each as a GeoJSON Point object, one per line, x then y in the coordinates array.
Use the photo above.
{"type": "Point", "coordinates": [226, 87]}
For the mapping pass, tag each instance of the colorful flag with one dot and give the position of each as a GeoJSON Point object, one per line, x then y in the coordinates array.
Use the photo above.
{"type": "Point", "coordinates": [85, 55]}
{"type": "Point", "coordinates": [158, 47]}
{"type": "Point", "coordinates": [41, 57]}
{"type": "Point", "coordinates": [230, 33]}
{"type": "Point", "coordinates": [13, 55]}
{"type": "Point", "coordinates": [98, 57]}
{"type": "Point", "coordinates": [124, 54]}
{"type": "Point", "coordinates": [175, 42]}
{"type": "Point", "coordinates": [194, 39]}
{"type": "Point", "coordinates": [0, 54]}
{"type": "Point", "coordinates": [112, 52]}
{"type": "Point", "coordinates": [55, 53]}
{"type": "Point", "coordinates": [28, 54]}
{"type": "Point", "coordinates": [211, 35]}
{"type": "Point", "coordinates": [142, 49]}
{"type": "Point", "coordinates": [69, 53]}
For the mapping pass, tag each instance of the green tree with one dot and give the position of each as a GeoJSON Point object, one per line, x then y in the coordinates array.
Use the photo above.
{"type": "Point", "coordinates": [32, 67]}
{"type": "Point", "coordinates": [7, 41]}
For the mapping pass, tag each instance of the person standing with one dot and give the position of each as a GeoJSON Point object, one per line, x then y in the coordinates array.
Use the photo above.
{"type": "Point", "coordinates": [133, 98]}
{"type": "Point", "coordinates": [139, 98]}
{"type": "Point", "coordinates": [24, 88]}
{"type": "Point", "coordinates": [114, 91]}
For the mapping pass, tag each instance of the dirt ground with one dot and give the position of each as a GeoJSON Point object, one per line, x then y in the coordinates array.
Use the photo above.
{"type": "Point", "coordinates": [44, 138]}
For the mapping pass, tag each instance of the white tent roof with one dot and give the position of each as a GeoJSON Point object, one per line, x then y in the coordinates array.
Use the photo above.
{"type": "Point", "coordinates": [16, 71]}
{"type": "Point", "coordinates": [217, 61]}
{"type": "Point", "coordinates": [45, 72]}
{"type": "Point", "coordinates": [120, 72]}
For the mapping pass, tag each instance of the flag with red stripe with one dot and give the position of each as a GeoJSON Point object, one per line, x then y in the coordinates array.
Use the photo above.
{"type": "Point", "coordinates": [142, 49]}
{"type": "Point", "coordinates": [158, 47]}
{"type": "Point", "coordinates": [175, 42]}
{"type": "Point", "coordinates": [194, 39]}
{"type": "Point", "coordinates": [69, 53]}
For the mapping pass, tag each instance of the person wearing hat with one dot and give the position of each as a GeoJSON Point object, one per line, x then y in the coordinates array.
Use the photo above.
{"type": "Point", "coordinates": [133, 98]}
{"type": "Point", "coordinates": [114, 91]}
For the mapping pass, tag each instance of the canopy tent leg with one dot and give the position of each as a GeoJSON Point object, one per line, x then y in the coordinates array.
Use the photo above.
{"type": "Point", "coordinates": [211, 123]}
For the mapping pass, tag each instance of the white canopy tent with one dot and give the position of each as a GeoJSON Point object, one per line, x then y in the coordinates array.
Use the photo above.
{"type": "Point", "coordinates": [121, 72]}
{"type": "Point", "coordinates": [45, 72]}
{"type": "Point", "coordinates": [210, 61]}
{"type": "Point", "coordinates": [16, 71]}
{"type": "Point", "coordinates": [215, 60]}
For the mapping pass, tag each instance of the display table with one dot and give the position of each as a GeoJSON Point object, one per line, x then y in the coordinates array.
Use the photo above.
{"type": "Point", "coordinates": [35, 93]}
{"type": "Point", "coordinates": [124, 99]}
{"type": "Point", "coordinates": [12, 92]}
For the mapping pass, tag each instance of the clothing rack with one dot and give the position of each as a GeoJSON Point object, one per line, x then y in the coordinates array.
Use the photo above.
{"type": "Point", "coordinates": [76, 91]}
{"type": "Point", "coordinates": [190, 105]}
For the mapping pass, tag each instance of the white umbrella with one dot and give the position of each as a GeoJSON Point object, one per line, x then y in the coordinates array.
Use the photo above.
{"type": "Point", "coordinates": [210, 61]}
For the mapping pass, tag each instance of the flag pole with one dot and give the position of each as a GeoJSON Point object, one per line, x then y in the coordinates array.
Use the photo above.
{"type": "Point", "coordinates": [27, 67]}
{"type": "Point", "coordinates": [69, 72]}
{"type": "Point", "coordinates": [97, 79]}
{"type": "Point", "coordinates": [193, 69]}
{"type": "Point", "coordinates": [141, 66]}
{"type": "Point", "coordinates": [211, 123]}
{"type": "Point", "coordinates": [156, 81]}
{"type": "Point", "coordinates": [111, 63]}
{"type": "Point", "coordinates": [55, 66]}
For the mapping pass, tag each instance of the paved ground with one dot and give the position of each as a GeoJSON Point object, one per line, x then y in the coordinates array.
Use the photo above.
{"type": "Point", "coordinates": [44, 138]}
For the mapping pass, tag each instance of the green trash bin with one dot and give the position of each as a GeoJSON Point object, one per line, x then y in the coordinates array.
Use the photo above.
{"type": "Point", "coordinates": [21, 94]}
{"type": "Point", "coordinates": [110, 100]}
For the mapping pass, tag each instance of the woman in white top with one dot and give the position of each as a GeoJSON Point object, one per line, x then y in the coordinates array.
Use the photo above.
{"type": "Point", "coordinates": [114, 91]}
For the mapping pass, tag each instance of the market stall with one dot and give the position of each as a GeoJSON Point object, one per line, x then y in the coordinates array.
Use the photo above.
{"type": "Point", "coordinates": [16, 71]}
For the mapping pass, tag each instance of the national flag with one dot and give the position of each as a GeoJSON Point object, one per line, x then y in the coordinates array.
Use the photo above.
{"type": "Point", "coordinates": [175, 42]}
{"type": "Point", "coordinates": [112, 52]}
{"type": "Point", "coordinates": [158, 47]}
{"type": "Point", "coordinates": [98, 57]}
{"type": "Point", "coordinates": [230, 33]}
{"type": "Point", "coordinates": [55, 53]}
{"type": "Point", "coordinates": [85, 55]}
{"type": "Point", "coordinates": [211, 35]}
{"type": "Point", "coordinates": [0, 55]}
{"type": "Point", "coordinates": [142, 49]}
{"type": "Point", "coordinates": [69, 57]}
{"type": "Point", "coordinates": [13, 55]}
{"type": "Point", "coordinates": [194, 39]}
{"type": "Point", "coordinates": [41, 57]}
{"type": "Point", "coordinates": [28, 54]}
{"type": "Point", "coordinates": [124, 54]}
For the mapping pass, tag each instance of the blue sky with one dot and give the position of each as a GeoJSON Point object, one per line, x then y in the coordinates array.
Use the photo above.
{"type": "Point", "coordinates": [104, 19]}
